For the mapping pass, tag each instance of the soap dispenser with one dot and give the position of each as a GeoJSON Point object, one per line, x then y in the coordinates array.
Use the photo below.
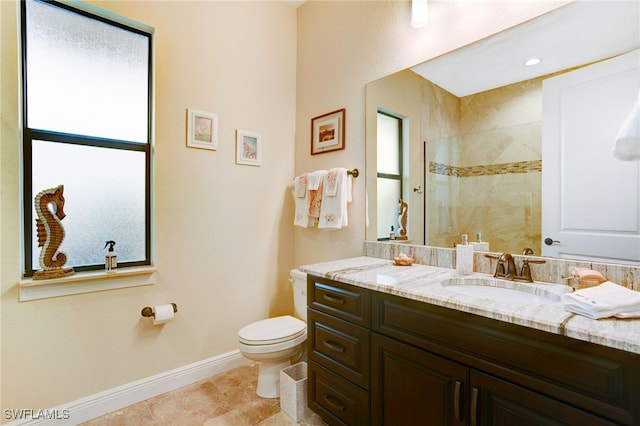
{"type": "Point", "coordinates": [464, 257]}
{"type": "Point", "coordinates": [111, 259]}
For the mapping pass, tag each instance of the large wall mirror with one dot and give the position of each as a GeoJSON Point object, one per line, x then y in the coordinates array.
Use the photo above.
{"type": "Point", "coordinates": [480, 143]}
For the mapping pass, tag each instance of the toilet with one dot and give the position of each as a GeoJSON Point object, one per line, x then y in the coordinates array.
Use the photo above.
{"type": "Point", "coordinates": [274, 342]}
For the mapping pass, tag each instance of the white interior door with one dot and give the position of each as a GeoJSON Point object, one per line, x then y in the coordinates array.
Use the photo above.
{"type": "Point", "coordinates": [590, 200]}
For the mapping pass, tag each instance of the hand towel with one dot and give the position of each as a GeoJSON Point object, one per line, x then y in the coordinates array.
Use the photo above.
{"type": "Point", "coordinates": [333, 210]}
{"type": "Point", "coordinates": [627, 147]}
{"type": "Point", "coordinates": [300, 185]}
{"type": "Point", "coordinates": [605, 300]}
{"type": "Point", "coordinates": [314, 188]}
{"type": "Point", "coordinates": [301, 207]}
{"type": "Point", "coordinates": [307, 195]}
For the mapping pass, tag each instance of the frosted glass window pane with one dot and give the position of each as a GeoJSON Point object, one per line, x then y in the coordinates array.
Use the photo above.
{"type": "Point", "coordinates": [388, 144]}
{"type": "Point", "coordinates": [388, 195]}
{"type": "Point", "coordinates": [104, 191]}
{"type": "Point", "coordinates": [85, 76]}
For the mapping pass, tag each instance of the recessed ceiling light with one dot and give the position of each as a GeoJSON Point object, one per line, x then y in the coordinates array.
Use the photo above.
{"type": "Point", "coordinates": [531, 62]}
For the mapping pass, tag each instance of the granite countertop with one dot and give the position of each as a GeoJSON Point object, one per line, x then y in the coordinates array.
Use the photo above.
{"type": "Point", "coordinates": [429, 284]}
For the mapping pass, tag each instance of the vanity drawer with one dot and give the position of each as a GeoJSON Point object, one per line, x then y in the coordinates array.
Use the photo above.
{"type": "Point", "coordinates": [348, 302]}
{"type": "Point", "coordinates": [339, 346]}
{"type": "Point", "coordinates": [338, 401]}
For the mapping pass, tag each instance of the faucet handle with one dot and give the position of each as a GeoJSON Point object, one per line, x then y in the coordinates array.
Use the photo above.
{"type": "Point", "coordinates": [525, 273]}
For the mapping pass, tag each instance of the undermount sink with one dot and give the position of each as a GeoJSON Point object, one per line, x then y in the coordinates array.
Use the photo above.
{"type": "Point", "coordinates": [507, 291]}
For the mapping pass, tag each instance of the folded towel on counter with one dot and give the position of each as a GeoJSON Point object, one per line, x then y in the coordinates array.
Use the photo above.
{"type": "Point", "coordinates": [605, 300]}
{"type": "Point", "coordinates": [337, 189]}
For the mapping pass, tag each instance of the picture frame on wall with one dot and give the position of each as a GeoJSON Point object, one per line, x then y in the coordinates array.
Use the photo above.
{"type": "Point", "coordinates": [327, 132]}
{"type": "Point", "coordinates": [248, 148]}
{"type": "Point", "coordinates": [202, 129]}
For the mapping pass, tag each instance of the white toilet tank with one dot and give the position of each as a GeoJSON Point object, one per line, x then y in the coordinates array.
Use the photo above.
{"type": "Point", "coordinates": [299, 281]}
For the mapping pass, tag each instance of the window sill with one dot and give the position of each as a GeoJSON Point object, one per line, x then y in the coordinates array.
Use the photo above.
{"type": "Point", "coordinates": [86, 282]}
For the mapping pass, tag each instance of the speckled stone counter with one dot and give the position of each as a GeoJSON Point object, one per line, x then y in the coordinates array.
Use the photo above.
{"type": "Point", "coordinates": [429, 284]}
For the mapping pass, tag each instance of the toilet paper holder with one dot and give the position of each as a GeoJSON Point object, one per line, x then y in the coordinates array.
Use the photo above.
{"type": "Point", "coordinates": [148, 311]}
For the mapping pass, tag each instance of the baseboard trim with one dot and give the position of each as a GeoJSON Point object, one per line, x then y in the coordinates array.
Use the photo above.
{"type": "Point", "coordinates": [119, 397]}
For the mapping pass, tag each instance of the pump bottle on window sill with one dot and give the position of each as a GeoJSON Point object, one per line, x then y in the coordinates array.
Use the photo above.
{"type": "Point", "coordinates": [111, 259]}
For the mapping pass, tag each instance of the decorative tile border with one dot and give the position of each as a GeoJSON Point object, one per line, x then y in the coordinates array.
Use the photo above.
{"type": "Point", "coordinates": [486, 170]}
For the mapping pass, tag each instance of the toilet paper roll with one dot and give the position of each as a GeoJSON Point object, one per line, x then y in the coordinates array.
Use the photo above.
{"type": "Point", "coordinates": [163, 314]}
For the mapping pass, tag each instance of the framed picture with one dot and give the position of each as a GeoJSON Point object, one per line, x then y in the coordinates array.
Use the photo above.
{"type": "Point", "coordinates": [327, 132]}
{"type": "Point", "coordinates": [248, 148]}
{"type": "Point", "coordinates": [202, 129]}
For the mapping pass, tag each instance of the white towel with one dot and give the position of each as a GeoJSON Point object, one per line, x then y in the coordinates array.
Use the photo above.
{"type": "Point", "coordinates": [314, 189]}
{"type": "Point", "coordinates": [627, 147]}
{"type": "Point", "coordinates": [300, 185]}
{"type": "Point", "coordinates": [605, 300]}
{"type": "Point", "coordinates": [301, 201]}
{"type": "Point", "coordinates": [307, 201]}
{"type": "Point", "coordinates": [337, 190]}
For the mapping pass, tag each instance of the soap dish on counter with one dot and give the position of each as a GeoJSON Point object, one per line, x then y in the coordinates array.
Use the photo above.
{"type": "Point", "coordinates": [403, 260]}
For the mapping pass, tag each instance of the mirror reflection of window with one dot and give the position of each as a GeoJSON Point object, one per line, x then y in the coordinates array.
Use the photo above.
{"type": "Point", "coordinates": [390, 171]}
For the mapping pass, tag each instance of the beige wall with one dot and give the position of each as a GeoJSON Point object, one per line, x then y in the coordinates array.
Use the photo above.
{"type": "Point", "coordinates": [342, 46]}
{"type": "Point", "coordinates": [223, 234]}
{"type": "Point", "coordinates": [224, 239]}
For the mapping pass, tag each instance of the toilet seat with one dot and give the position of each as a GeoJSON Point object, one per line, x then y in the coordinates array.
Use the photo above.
{"type": "Point", "coordinates": [272, 331]}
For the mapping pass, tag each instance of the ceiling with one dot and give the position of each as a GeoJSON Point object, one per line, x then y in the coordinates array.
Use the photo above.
{"type": "Point", "coordinates": [576, 34]}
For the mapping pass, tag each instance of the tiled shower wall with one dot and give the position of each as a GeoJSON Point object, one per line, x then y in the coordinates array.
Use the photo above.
{"type": "Point", "coordinates": [484, 166]}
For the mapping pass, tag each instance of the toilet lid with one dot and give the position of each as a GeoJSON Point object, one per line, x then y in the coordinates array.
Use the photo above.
{"type": "Point", "coordinates": [272, 330]}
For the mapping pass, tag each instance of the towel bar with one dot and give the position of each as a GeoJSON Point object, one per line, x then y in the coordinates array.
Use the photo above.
{"type": "Point", "coordinates": [355, 173]}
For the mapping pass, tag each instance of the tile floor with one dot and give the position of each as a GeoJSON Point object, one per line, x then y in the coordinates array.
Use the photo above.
{"type": "Point", "coordinates": [228, 399]}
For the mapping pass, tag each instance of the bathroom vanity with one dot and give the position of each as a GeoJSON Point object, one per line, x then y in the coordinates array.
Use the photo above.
{"type": "Point", "coordinates": [393, 345]}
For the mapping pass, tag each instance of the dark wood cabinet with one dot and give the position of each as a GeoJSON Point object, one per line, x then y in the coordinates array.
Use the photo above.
{"type": "Point", "coordinates": [411, 386]}
{"type": "Point", "coordinates": [380, 359]}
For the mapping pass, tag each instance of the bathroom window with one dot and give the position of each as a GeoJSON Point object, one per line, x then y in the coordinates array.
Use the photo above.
{"type": "Point", "coordinates": [87, 121]}
{"type": "Point", "coordinates": [390, 171]}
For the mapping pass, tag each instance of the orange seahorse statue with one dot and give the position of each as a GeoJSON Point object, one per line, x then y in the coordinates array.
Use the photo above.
{"type": "Point", "coordinates": [51, 234]}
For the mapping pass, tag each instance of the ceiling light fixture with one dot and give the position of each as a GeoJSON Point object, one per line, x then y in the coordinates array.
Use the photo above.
{"type": "Point", "coordinates": [531, 62]}
{"type": "Point", "coordinates": [419, 13]}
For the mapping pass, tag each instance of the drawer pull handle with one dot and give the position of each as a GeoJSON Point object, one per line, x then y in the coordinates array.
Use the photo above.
{"type": "Point", "coordinates": [474, 407]}
{"type": "Point", "coordinates": [334, 402]}
{"type": "Point", "coordinates": [456, 400]}
{"type": "Point", "coordinates": [333, 299]}
{"type": "Point", "coordinates": [334, 346]}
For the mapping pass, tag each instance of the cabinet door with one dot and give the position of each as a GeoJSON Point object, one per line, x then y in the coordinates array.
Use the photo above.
{"type": "Point", "coordinates": [497, 402]}
{"type": "Point", "coordinates": [410, 386]}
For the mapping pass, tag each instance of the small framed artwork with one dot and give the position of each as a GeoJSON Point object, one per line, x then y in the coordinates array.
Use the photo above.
{"type": "Point", "coordinates": [327, 132]}
{"type": "Point", "coordinates": [202, 129]}
{"type": "Point", "coordinates": [248, 148]}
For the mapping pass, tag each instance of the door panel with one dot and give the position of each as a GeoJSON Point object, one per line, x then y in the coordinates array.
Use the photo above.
{"type": "Point", "coordinates": [590, 200]}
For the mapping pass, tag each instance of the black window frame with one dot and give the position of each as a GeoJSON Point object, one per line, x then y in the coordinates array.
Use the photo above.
{"type": "Point", "coordinates": [29, 135]}
{"type": "Point", "coordinates": [400, 174]}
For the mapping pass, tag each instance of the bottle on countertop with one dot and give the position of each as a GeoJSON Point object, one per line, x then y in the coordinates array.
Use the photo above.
{"type": "Point", "coordinates": [392, 233]}
{"type": "Point", "coordinates": [111, 259]}
{"type": "Point", "coordinates": [480, 245]}
{"type": "Point", "coordinates": [464, 257]}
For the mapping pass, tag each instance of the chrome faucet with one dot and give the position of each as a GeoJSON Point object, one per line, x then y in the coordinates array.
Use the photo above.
{"type": "Point", "coordinates": [506, 267]}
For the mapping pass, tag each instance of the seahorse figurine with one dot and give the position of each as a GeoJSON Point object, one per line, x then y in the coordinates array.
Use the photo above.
{"type": "Point", "coordinates": [402, 220]}
{"type": "Point", "coordinates": [50, 234]}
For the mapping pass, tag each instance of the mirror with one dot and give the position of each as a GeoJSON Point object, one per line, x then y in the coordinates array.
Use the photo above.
{"type": "Point", "coordinates": [473, 124]}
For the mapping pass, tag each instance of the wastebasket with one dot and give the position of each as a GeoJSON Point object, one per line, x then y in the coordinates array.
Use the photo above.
{"type": "Point", "coordinates": [293, 391]}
